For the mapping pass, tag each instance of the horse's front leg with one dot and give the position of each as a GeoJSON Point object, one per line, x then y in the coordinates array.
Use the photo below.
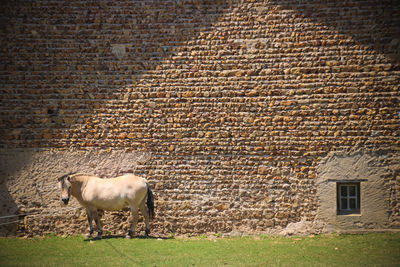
{"type": "Point", "coordinates": [90, 220]}
{"type": "Point", "coordinates": [135, 217]}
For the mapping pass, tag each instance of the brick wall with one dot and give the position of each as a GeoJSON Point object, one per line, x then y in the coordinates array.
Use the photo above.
{"type": "Point", "coordinates": [235, 101]}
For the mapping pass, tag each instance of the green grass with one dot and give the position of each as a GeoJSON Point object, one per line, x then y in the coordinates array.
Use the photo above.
{"type": "Point", "coordinates": [326, 250]}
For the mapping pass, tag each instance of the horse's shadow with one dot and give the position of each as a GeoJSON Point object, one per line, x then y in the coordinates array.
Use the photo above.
{"type": "Point", "coordinates": [116, 249]}
{"type": "Point", "coordinates": [124, 237]}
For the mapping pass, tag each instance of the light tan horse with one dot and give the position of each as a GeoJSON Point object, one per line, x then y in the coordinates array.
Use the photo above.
{"type": "Point", "coordinates": [113, 194]}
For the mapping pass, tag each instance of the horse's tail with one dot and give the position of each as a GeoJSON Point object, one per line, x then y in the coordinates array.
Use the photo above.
{"type": "Point", "coordinates": [150, 202]}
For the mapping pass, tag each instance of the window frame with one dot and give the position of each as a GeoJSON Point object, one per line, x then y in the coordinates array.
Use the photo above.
{"type": "Point", "coordinates": [347, 198]}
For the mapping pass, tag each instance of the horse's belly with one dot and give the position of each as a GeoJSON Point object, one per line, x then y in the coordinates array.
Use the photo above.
{"type": "Point", "coordinates": [110, 204]}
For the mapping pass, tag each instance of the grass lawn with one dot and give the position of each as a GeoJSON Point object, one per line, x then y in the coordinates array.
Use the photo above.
{"type": "Point", "coordinates": [375, 249]}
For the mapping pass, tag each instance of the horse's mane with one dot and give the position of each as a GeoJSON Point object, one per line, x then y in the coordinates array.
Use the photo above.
{"type": "Point", "coordinates": [73, 175]}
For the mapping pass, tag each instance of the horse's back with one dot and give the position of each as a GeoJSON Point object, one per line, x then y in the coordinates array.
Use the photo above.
{"type": "Point", "coordinates": [131, 177]}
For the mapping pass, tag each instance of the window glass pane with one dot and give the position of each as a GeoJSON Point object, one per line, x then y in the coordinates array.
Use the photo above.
{"type": "Point", "coordinates": [348, 198]}
{"type": "Point", "coordinates": [352, 203]}
{"type": "Point", "coordinates": [343, 203]}
{"type": "Point", "coordinates": [343, 190]}
{"type": "Point", "coordinates": [352, 190]}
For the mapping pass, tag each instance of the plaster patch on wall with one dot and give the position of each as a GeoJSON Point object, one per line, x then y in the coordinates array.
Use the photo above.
{"type": "Point", "coordinates": [368, 167]}
{"type": "Point", "coordinates": [119, 50]}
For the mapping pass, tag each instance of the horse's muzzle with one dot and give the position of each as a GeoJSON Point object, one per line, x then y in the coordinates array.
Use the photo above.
{"type": "Point", "coordinates": [65, 200]}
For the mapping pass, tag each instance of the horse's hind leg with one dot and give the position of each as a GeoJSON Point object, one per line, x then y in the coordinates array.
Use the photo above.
{"type": "Point", "coordinates": [135, 217]}
{"type": "Point", "coordinates": [145, 213]}
{"type": "Point", "coordinates": [99, 226]}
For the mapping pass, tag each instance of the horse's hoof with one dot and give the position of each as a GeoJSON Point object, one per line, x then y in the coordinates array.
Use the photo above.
{"type": "Point", "coordinates": [128, 237]}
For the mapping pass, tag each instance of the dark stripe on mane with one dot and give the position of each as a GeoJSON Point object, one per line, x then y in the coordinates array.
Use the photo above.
{"type": "Point", "coordinates": [62, 178]}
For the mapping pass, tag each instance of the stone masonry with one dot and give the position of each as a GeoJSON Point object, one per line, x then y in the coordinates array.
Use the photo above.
{"type": "Point", "coordinates": [226, 107]}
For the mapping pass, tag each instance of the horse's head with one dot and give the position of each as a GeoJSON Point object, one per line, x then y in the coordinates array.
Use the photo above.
{"type": "Point", "coordinates": [65, 186]}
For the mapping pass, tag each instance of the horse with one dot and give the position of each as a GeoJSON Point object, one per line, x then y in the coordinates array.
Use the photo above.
{"type": "Point", "coordinates": [96, 194]}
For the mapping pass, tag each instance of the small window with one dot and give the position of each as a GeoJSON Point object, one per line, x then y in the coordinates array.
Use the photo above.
{"type": "Point", "coordinates": [348, 198]}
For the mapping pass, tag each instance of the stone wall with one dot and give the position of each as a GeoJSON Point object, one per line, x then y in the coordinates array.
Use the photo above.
{"type": "Point", "coordinates": [235, 102]}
